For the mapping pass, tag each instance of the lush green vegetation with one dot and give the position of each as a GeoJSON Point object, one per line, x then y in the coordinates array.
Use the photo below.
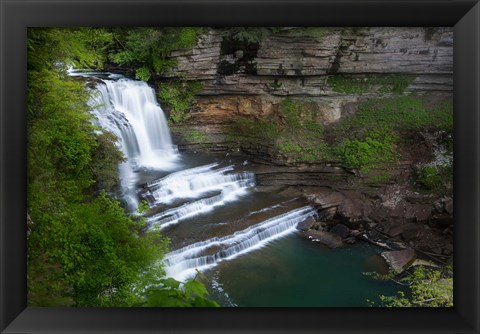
{"type": "Point", "coordinates": [368, 141]}
{"type": "Point", "coordinates": [148, 49]}
{"type": "Point", "coordinates": [374, 150]}
{"type": "Point", "coordinates": [376, 134]}
{"type": "Point", "coordinates": [171, 293]}
{"type": "Point", "coordinates": [180, 96]}
{"type": "Point", "coordinates": [426, 288]}
{"type": "Point", "coordinates": [436, 178]}
{"type": "Point", "coordinates": [380, 83]}
{"type": "Point", "coordinates": [403, 114]}
{"type": "Point", "coordinates": [83, 249]}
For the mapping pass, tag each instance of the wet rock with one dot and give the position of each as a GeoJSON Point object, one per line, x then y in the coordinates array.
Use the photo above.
{"type": "Point", "coordinates": [442, 220]}
{"type": "Point", "coordinates": [399, 260]}
{"type": "Point", "coordinates": [324, 198]}
{"type": "Point", "coordinates": [403, 228]}
{"type": "Point", "coordinates": [350, 240]}
{"type": "Point", "coordinates": [341, 230]}
{"type": "Point", "coordinates": [418, 212]}
{"type": "Point", "coordinates": [355, 208]}
{"type": "Point", "coordinates": [438, 207]}
{"type": "Point", "coordinates": [329, 239]}
{"type": "Point", "coordinates": [449, 206]}
{"type": "Point", "coordinates": [306, 224]}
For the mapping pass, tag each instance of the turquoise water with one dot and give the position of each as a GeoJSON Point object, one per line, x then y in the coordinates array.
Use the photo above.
{"type": "Point", "coordinates": [295, 272]}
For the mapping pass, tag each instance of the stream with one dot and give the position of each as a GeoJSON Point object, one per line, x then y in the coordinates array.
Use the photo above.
{"type": "Point", "coordinates": [242, 237]}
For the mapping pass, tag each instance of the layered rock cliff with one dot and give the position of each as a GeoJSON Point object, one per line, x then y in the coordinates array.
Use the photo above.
{"type": "Point", "coordinates": [251, 78]}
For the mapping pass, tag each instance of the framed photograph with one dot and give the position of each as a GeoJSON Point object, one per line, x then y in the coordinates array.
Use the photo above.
{"type": "Point", "coordinates": [297, 166]}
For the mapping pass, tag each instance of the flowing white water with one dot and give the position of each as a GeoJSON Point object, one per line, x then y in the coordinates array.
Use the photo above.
{"type": "Point", "coordinates": [183, 263]}
{"type": "Point", "coordinates": [194, 182]}
{"type": "Point", "coordinates": [128, 109]}
{"type": "Point", "coordinates": [173, 216]}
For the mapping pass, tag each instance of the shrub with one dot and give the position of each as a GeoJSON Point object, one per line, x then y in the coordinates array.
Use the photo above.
{"type": "Point", "coordinates": [363, 154]}
{"type": "Point", "coordinates": [428, 288]}
{"type": "Point", "coordinates": [148, 49]}
{"type": "Point", "coordinates": [436, 178]}
{"type": "Point", "coordinates": [180, 96]}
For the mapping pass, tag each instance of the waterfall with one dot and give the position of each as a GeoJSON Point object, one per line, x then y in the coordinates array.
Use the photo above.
{"type": "Point", "coordinates": [191, 183]}
{"type": "Point", "coordinates": [128, 109]}
{"type": "Point", "coordinates": [173, 216]}
{"type": "Point", "coordinates": [184, 262]}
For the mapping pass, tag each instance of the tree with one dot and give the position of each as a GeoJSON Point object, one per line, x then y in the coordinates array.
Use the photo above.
{"type": "Point", "coordinates": [83, 248]}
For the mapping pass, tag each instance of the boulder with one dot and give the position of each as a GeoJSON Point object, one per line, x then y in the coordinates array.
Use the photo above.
{"type": "Point", "coordinates": [341, 230]}
{"type": "Point", "coordinates": [399, 260]}
{"type": "Point", "coordinates": [329, 239]}
{"type": "Point", "coordinates": [306, 224]}
{"type": "Point", "coordinates": [442, 220]}
{"type": "Point", "coordinates": [405, 228]}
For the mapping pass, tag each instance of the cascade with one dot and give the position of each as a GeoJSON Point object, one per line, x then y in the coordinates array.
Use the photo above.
{"type": "Point", "coordinates": [184, 262]}
{"type": "Point", "coordinates": [128, 109]}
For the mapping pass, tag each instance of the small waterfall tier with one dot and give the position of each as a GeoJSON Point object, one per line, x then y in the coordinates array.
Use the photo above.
{"type": "Point", "coordinates": [193, 182]}
{"type": "Point", "coordinates": [129, 109]}
{"type": "Point", "coordinates": [183, 263]}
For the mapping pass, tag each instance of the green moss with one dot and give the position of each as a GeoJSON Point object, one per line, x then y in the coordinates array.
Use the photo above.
{"type": "Point", "coordinates": [292, 130]}
{"type": "Point", "coordinates": [254, 130]}
{"type": "Point", "coordinates": [363, 154]}
{"type": "Point", "coordinates": [389, 83]}
{"type": "Point", "coordinates": [198, 137]}
{"type": "Point", "coordinates": [402, 114]}
{"type": "Point", "coordinates": [315, 32]}
{"type": "Point", "coordinates": [381, 178]}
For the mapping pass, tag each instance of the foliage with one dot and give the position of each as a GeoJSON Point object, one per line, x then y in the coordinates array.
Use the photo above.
{"type": "Point", "coordinates": [83, 249]}
{"type": "Point", "coordinates": [436, 178]}
{"type": "Point", "coordinates": [363, 154]}
{"type": "Point", "coordinates": [180, 96]}
{"type": "Point", "coordinates": [105, 159]}
{"type": "Point", "coordinates": [245, 34]}
{"type": "Point", "coordinates": [62, 47]}
{"type": "Point", "coordinates": [401, 114]}
{"type": "Point", "coordinates": [148, 49]}
{"type": "Point", "coordinates": [97, 249]}
{"type": "Point", "coordinates": [382, 126]}
{"type": "Point", "coordinates": [386, 83]}
{"type": "Point", "coordinates": [172, 293]}
{"type": "Point", "coordinates": [428, 288]}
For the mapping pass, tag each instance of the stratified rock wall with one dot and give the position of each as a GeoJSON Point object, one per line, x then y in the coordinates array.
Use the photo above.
{"type": "Point", "coordinates": [299, 64]}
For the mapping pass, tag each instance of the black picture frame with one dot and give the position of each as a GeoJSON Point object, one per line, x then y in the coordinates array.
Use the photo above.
{"type": "Point", "coordinates": [17, 15]}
